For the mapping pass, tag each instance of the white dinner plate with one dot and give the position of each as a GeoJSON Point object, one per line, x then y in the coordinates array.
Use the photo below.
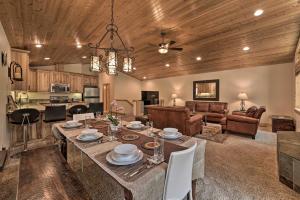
{"type": "Point", "coordinates": [124, 158]}
{"type": "Point", "coordinates": [170, 137]}
{"type": "Point", "coordinates": [112, 161]}
{"type": "Point", "coordinates": [135, 127]}
{"type": "Point", "coordinates": [72, 126]}
{"type": "Point", "coordinates": [88, 137]}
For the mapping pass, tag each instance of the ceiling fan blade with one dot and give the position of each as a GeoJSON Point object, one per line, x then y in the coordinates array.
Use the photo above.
{"type": "Point", "coordinates": [172, 42]}
{"type": "Point", "coordinates": [176, 49]}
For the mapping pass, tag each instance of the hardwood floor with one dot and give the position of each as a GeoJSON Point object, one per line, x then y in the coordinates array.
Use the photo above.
{"type": "Point", "coordinates": [44, 174]}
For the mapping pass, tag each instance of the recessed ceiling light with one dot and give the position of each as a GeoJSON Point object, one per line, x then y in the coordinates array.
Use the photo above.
{"type": "Point", "coordinates": [78, 46]}
{"type": "Point", "coordinates": [144, 77]}
{"type": "Point", "coordinates": [246, 48]}
{"type": "Point", "coordinates": [38, 46]}
{"type": "Point", "coordinates": [198, 58]}
{"type": "Point", "coordinates": [47, 58]}
{"type": "Point", "coordinates": [134, 68]}
{"type": "Point", "coordinates": [258, 12]}
{"type": "Point", "coordinates": [84, 57]}
{"type": "Point", "coordinates": [167, 65]}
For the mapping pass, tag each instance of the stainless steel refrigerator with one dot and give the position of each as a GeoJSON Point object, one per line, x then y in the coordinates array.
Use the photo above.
{"type": "Point", "coordinates": [91, 94]}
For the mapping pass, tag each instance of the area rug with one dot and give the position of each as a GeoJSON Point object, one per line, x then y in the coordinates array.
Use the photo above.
{"type": "Point", "coordinates": [242, 169]}
{"type": "Point", "coordinates": [219, 138]}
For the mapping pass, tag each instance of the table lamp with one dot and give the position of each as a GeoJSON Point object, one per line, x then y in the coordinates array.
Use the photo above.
{"type": "Point", "coordinates": [174, 96]}
{"type": "Point", "coordinates": [243, 96]}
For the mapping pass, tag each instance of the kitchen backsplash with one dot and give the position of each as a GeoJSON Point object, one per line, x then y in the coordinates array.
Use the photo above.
{"type": "Point", "coordinates": [43, 96]}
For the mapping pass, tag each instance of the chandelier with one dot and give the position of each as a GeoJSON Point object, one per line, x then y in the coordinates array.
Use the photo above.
{"type": "Point", "coordinates": [113, 56]}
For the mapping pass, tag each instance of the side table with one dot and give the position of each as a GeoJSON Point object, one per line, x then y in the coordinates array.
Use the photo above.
{"type": "Point", "coordinates": [282, 123]}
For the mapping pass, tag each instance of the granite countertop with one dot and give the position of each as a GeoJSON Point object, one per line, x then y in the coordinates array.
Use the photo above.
{"type": "Point", "coordinates": [289, 143]}
{"type": "Point", "coordinates": [41, 106]}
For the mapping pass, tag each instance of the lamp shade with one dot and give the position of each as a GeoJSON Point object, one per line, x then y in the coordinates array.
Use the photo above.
{"type": "Point", "coordinates": [174, 96]}
{"type": "Point", "coordinates": [242, 96]}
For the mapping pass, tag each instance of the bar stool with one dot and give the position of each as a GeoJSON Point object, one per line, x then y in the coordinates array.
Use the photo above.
{"type": "Point", "coordinates": [77, 109]}
{"type": "Point", "coordinates": [25, 117]}
{"type": "Point", "coordinates": [96, 107]}
{"type": "Point", "coordinates": [54, 114]}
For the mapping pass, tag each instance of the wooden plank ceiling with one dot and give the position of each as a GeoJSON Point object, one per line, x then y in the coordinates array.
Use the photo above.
{"type": "Point", "coordinates": [216, 30]}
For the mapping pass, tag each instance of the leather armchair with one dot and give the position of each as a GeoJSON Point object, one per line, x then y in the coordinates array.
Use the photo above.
{"type": "Point", "coordinates": [175, 117]}
{"type": "Point", "coordinates": [245, 123]}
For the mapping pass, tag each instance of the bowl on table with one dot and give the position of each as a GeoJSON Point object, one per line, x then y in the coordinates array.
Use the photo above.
{"type": "Point", "coordinates": [89, 135]}
{"type": "Point", "coordinates": [135, 125]}
{"type": "Point", "coordinates": [170, 131]}
{"type": "Point", "coordinates": [72, 124]}
{"type": "Point", "coordinates": [124, 154]}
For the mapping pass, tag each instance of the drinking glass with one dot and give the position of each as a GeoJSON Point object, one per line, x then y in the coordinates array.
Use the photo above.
{"type": "Point", "coordinates": [158, 155]}
{"type": "Point", "coordinates": [111, 134]}
{"type": "Point", "coordinates": [98, 116]}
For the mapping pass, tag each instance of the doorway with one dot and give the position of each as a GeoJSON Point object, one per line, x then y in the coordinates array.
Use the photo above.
{"type": "Point", "coordinates": [106, 96]}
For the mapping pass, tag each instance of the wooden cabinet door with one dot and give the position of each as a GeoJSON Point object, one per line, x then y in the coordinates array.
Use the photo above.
{"type": "Point", "coordinates": [86, 81]}
{"type": "Point", "coordinates": [21, 58]}
{"type": "Point", "coordinates": [55, 77]}
{"type": "Point", "coordinates": [94, 81]}
{"type": "Point", "coordinates": [65, 78]}
{"type": "Point", "coordinates": [32, 81]}
{"type": "Point", "coordinates": [43, 81]}
{"type": "Point", "coordinates": [76, 83]}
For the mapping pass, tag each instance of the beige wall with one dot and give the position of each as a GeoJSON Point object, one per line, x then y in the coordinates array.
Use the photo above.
{"type": "Point", "coordinates": [122, 86]}
{"type": "Point", "coordinates": [4, 90]}
{"type": "Point", "coordinates": [270, 86]}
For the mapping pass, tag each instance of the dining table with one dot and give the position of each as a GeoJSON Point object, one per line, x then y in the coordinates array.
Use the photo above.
{"type": "Point", "coordinates": [142, 180]}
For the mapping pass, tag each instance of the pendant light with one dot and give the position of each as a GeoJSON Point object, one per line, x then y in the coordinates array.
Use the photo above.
{"type": "Point", "coordinates": [112, 53]}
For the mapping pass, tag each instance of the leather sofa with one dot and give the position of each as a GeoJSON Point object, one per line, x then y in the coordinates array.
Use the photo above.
{"type": "Point", "coordinates": [213, 111]}
{"type": "Point", "coordinates": [245, 123]}
{"type": "Point", "coordinates": [175, 117]}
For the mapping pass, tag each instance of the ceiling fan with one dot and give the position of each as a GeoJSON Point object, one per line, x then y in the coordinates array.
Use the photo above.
{"type": "Point", "coordinates": [164, 46]}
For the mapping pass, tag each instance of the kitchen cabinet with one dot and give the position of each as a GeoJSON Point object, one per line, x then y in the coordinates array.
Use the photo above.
{"type": "Point", "coordinates": [90, 80]}
{"type": "Point", "coordinates": [76, 83]}
{"type": "Point", "coordinates": [55, 77]}
{"type": "Point", "coordinates": [32, 81]}
{"type": "Point", "coordinates": [43, 81]}
{"type": "Point", "coordinates": [65, 78]}
{"type": "Point", "coordinates": [22, 58]}
{"type": "Point", "coordinates": [94, 81]}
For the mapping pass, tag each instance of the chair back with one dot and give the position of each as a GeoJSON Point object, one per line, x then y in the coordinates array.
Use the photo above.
{"type": "Point", "coordinates": [259, 112]}
{"type": "Point", "coordinates": [79, 117]}
{"type": "Point", "coordinates": [78, 109]}
{"type": "Point", "coordinates": [96, 107]}
{"type": "Point", "coordinates": [25, 116]}
{"type": "Point", "coordinates": [55, 113]}
{"type": "Point", "coordinates": [178, 181]}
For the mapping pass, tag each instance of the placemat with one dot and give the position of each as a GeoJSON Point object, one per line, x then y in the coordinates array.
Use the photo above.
{"type": "Point", "coordinates": [84, 145]}
{"type": "Point", "coordinates": [128, 173]}
{"type": "Point", "coordinates": [168, 146]}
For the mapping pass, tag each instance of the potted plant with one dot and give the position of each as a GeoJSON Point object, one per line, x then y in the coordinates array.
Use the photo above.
{"type": "Point", "coordinates": [114, 126]}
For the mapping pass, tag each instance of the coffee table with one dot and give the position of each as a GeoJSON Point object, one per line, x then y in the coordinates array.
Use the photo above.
{"type": "Point", "coordinates": [211, 129]}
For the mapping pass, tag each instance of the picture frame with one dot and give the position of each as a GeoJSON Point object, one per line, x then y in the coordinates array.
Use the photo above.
{"type": "Point", "coordinates": [207, 90]}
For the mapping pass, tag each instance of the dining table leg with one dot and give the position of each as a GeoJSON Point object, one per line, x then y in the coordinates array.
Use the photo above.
{"type": "Point", "coordinates": [194, 182]}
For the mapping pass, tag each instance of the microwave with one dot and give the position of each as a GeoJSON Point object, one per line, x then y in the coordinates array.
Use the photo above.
{"type": "Point", "coordinates": [59, 88]}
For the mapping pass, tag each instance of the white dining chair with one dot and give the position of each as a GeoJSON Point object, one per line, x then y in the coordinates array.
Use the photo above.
{"type": "Point", "coordinates": [178, 183]}
{"type": "Point", "coordinates": [79, 117]}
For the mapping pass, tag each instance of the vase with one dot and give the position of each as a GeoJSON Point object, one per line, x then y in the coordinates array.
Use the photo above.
{"type": "Point", "coordinates": [114, 128]}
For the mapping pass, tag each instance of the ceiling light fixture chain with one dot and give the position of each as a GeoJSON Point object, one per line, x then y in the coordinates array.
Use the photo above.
{"type": "Point", "coordinates": [113, 54]}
